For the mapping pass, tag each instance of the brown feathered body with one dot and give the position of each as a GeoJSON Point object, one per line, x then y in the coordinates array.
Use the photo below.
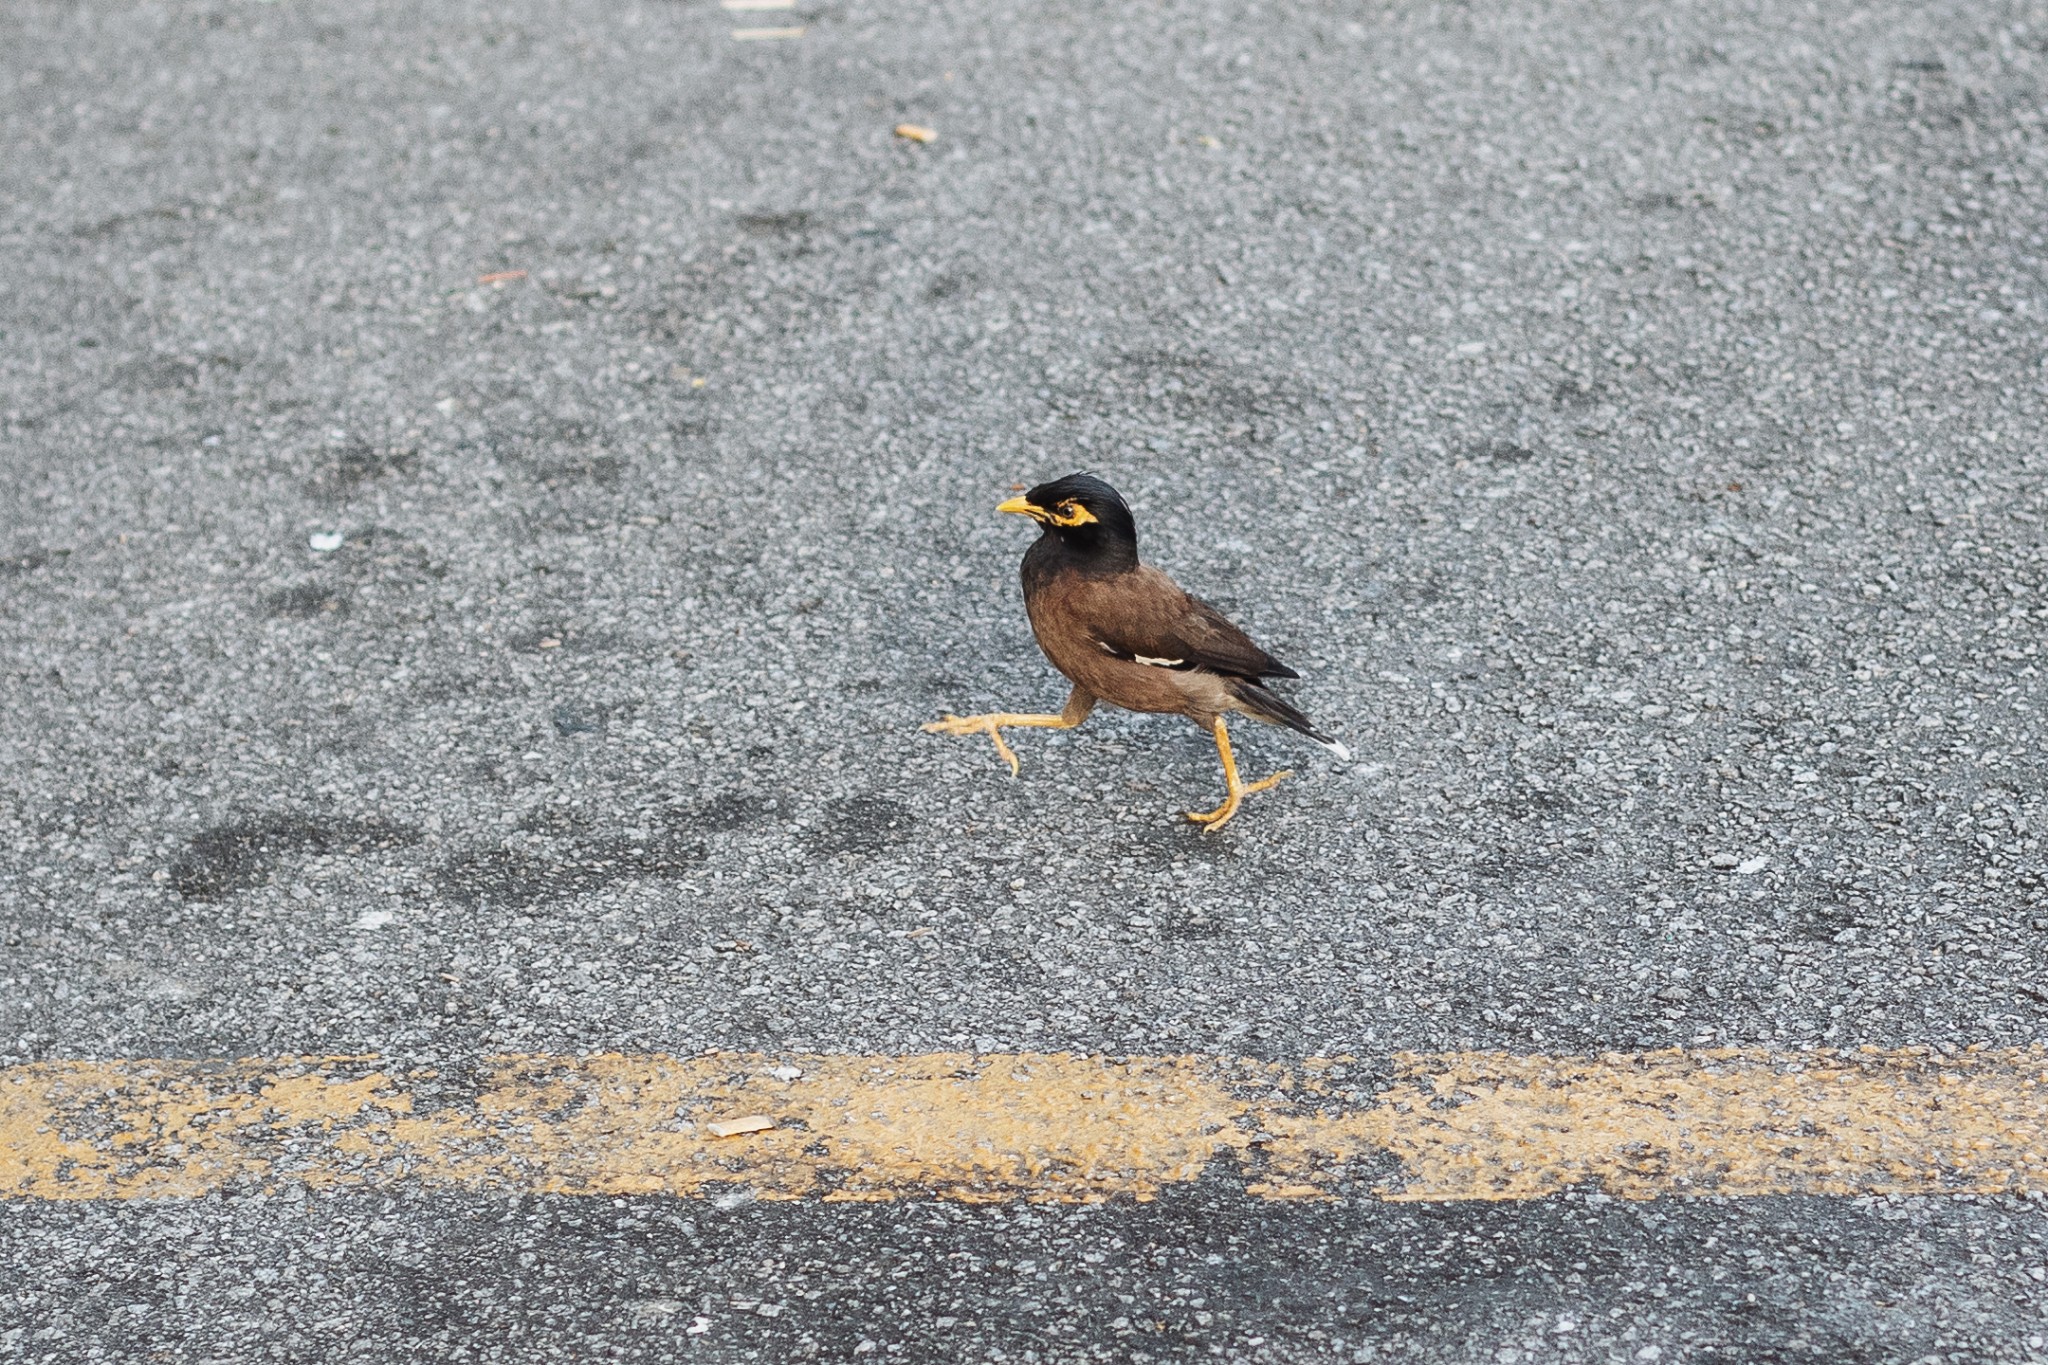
{"type": "Point", "coordinates": [1125, 633]}
{"type": "Point", "coordinates": [1104, 635]}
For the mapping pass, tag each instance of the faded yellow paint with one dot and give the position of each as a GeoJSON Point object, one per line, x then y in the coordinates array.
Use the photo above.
{"type": "Point", "coordinates": [1044, 1127]}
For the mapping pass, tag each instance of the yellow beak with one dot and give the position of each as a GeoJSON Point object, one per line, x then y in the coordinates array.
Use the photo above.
{"type": "Point", "coordinates": [1022, 508]}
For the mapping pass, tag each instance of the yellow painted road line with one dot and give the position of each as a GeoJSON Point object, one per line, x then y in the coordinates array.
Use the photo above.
{"type": "Point", "coordinates": [1040, 1127]}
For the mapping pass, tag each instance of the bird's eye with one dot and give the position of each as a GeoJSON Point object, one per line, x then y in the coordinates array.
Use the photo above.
{"type": "Point", "coordinates": [1071, 513]}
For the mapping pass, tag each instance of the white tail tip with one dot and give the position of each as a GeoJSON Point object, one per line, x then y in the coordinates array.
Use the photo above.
{"type": "Point", "coordinates": [1343, 754]}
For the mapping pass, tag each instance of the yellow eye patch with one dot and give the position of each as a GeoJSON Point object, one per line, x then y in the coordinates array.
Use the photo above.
{"type": "Point", "coordinates": [1070, 513]}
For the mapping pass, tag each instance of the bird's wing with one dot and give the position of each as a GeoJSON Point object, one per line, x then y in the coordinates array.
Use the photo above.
{"type": "Point", "coordinates": [1146, 618]}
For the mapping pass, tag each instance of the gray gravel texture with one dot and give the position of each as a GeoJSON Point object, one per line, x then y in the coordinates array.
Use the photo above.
{"type": "Point", "coordinates": [1577, 1278]}
{"type": "Point", "coordinates": [1629, 421]}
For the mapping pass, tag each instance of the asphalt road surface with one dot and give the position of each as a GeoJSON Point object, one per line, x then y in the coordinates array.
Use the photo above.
{"type": "Point", "coordinates": [488, 495]}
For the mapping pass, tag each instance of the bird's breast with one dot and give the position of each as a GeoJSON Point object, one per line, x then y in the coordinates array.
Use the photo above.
{"type": "Point", "coordinates": [1060, 612]}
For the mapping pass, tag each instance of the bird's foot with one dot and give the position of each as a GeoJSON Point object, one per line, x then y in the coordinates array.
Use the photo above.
{"type": "Point", "coordinates": [1213, 820]}
{"type": "Point", "coordinates": [976, 725]}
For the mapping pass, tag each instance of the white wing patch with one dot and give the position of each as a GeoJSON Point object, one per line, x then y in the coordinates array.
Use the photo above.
{"type": "Point", "coordinates": [1107, 648]}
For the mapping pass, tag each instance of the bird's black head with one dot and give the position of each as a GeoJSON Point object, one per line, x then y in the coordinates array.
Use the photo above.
{"type": "Point", "coordinates": [1086, 515]}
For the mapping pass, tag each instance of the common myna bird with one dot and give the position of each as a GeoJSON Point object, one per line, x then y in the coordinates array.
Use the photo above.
{"type": "Point", "coordinates": [1125, 633]}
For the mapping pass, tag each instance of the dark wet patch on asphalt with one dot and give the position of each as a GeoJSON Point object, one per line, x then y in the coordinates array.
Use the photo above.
{"type": "Point", "coordinates": [241, 854]}
{"type": "Point", "coordinates": [518, 880]}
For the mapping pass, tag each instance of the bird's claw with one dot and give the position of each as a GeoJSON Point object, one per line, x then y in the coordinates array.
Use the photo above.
{"type": "Point", "coordinates": [975, 725]}
{"type": "Point", "coordinates": [1213, 820]}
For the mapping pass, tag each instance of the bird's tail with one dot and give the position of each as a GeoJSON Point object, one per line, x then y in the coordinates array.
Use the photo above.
{"type": "Point", "coordinates": [1263, 705]}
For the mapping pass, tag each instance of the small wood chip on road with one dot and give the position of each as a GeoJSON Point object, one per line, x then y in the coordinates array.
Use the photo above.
{"type": "Point", "coordinates": [916, 132]}
{"type": "Point", "coordinates": [752, 1123]}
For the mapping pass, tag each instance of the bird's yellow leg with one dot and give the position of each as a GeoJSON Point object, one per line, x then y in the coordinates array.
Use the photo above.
{"type": "Point", "coordinates": [1213, 820]}
{"type": "Point", "coordinates": [1079, 704]}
